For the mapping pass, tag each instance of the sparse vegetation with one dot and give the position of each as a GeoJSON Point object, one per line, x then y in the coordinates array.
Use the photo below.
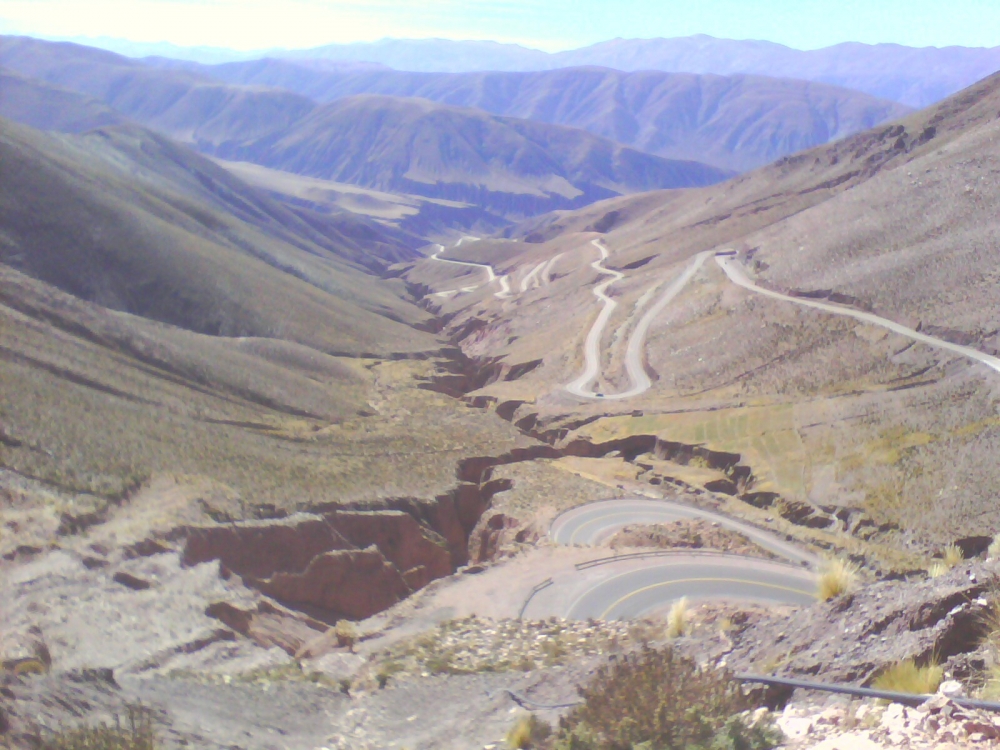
{"type": "Point", "coordinates": [134, 732]}
{"type": "Point", "coordinates": [528, 731]}
{"type": "Point", "coordinates": [347, 634]}
{"type": "Point", "coordinates": [837, 577]}
{"type": "Point", "coordinates": [908, 677]}
{"type": "Point", "coordinates": [660, 699]}
{"type": "Point", "coordinates": [993, 552]}
{"type": "Point", "coordinates": [471, 645]}
{"type": "Point", "coordinates": [937, 569]}
{"type": "Point", "coordinates": [952, 555]}
{"type": "Point", "coordinates": [677, 619]}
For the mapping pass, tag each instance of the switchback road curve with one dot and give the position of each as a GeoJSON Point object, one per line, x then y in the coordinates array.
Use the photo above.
{"type": "Point", "coordinates": [629, 586]}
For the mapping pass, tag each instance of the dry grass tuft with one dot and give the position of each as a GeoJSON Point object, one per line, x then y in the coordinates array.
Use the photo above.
{"type": "Point", "coordinates": [937, 569]}
{"type": "Point", "coordinates": [677, 619]}
{"type": "Point", "coordinates": [953, 555]}
{"type": "Point", "coordinates": [836, 577]}
{"type": "Point", "coordinates": [907, 677]}
{"type": "Point", "coordinates": [527, 732]}
{"type": "Point", "coordinates": [136, 732]}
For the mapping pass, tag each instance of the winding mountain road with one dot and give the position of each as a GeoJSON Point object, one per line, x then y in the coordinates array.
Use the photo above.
{"type": "Point", "coordinates": [738, 276]}
{"type": "Point", "coordinates": [595, 522]}
{"type": "Point", "coordinates": [490, 273]}
{"type": "Point", "coordinates": [634, 352]}
{"type": "Point", "coordinates": [628, 586]}
{"type": "Point", "coordinates": [653, 587]}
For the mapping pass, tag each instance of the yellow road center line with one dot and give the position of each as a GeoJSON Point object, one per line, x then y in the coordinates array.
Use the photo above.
{"type": "Point", "coordinates": [625, 598]}
{"type": "Point", "coordinates": [666, 512]}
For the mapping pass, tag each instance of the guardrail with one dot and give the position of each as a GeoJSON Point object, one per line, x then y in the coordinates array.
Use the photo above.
{"type": "Point", "coordinates": [684, 553]}
{"type": "Point", "coordinates": [907, 699]}
{"type": "Point", "coordinates": [540, 587]}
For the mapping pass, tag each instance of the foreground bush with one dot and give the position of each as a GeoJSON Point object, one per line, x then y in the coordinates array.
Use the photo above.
{"type": "Point", "coordinates": [836, 577]}
{"type": "Point", "coordinates": [659, 700]}
{"type": "Point", "coordinates": [135, 732]}
{"type": "Point", "coordinates": [907, 677]}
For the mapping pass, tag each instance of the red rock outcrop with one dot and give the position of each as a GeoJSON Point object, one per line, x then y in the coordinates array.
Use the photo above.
{"type": "Point", "coordinates": [353, 584]}
{"type": "Point", "coordinates": [269, 625]}
{"type": "Point", "coordinates": [262, 548]}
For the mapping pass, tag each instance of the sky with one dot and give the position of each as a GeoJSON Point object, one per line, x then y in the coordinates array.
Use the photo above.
{"type": "Point", "coordinates": [551, 25]}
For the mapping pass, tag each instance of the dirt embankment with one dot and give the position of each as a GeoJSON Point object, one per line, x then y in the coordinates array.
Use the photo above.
{"type": "Point", "coordinates": [693, 534]}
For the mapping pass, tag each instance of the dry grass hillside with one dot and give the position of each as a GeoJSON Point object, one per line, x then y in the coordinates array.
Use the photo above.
{"type": "Point", "coordinates": [77, 216]}
{"type": "Point", "coordinates": [161, 321]}
{"type": "Point", "coordinates": [735, 122]}
{"type": "Point", "coordinates": [42, 105]}
{"type": "Point", "coordinates": [826, 411]}
{"type": "Point", "coordinates": [505, 167]}
{"type": "Point", "coordinates": [510, 167]}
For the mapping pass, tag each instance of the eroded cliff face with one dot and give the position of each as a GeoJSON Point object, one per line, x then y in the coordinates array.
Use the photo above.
{"type": "Point", "coordinates": [347, 562]}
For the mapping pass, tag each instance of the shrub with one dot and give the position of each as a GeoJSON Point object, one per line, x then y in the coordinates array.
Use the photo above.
{"type": "Point", "coordinates": [937, 569]}
{"type": "Point", "coordinates": [347, 634]}
{"type": "Point", "coordinates": [836, 577]}
{"type": "Point", "coordinates": [135, 733]}
{"type": "Point", "coordinates": [660, 700]}
{"type": "Point", "coordinates": [953, 555]}
{"type": "Point", "coordinates": [677, 619]}
{"type": "Point", "coordinates": [907, 677]}
{"type": "Point", "coordinates": [993, 552]}
{"type": "Point", "coordinates": [527, 732]}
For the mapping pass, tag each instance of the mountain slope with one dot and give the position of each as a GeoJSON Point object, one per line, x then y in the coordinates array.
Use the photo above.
{"type": "Point", "coordinates": [735, 123]}
{"type": "Point", "coordinates": [40, 105]}
{"type": "Point", "coordinates": [913, 76]}
{"type": "Point", "coordinates": [849, 419]}
{"type": "Point", "coordinates": [278, 128]}
{"type": "Point", "coordinates": [506, 165]}
{"type": "Point", "coordinates": [158, 242]}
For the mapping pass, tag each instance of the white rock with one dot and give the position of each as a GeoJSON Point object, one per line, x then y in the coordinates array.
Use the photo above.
{"type": "Point", "coordinates": [850, 741]}
{"type": "Point", "coordinates": [951, 689]}
{"type": "Point", "coordinates": [795, 727]}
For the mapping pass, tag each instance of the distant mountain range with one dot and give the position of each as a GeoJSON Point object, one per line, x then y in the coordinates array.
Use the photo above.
{"type": "Point", "coordinates": [734, 123]}
{"type": "Point", "coordinates": [916, 77]}
{"type": "Point", "coordinates": [508, 167]}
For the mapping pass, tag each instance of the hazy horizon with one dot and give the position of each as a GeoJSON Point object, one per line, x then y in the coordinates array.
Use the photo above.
{"type": "Point", "coordinates": [260, 25]}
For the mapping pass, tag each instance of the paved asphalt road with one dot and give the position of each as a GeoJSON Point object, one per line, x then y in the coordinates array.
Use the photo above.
{"type": "Point", "coordinates": [593, 523]}
{"type": "Point", "coordinates": [631, 587]}
{"type": "Point", "coordinates": [652, 588]}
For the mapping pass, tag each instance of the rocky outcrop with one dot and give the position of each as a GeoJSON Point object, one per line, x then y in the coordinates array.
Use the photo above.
{"type": "Point", "coordinates": [268, 624]}
{"type": "Point", "coordinates": [352, 584]}
{"type": "Point", "coordinates": [851, 638]}
{"type": "Point", "coordinates": [344, 563]}
{"type": "Point", "coordinates": [496, 536]}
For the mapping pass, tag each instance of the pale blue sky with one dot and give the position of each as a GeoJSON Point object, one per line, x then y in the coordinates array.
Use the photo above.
{"type": "Point", "coordinates": [548, 24]}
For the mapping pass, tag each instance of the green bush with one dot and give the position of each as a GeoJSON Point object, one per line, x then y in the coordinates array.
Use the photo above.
{"type": "Point", "coordinates": [659, 700]}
